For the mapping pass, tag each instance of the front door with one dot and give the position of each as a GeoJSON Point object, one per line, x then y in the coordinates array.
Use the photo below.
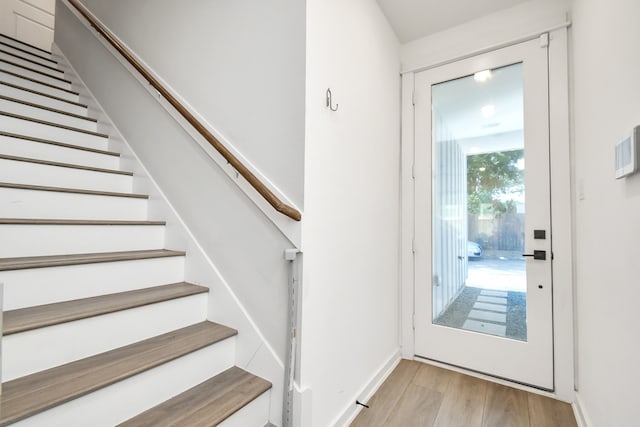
{"type": "Point", "coordinates": [483, 288]}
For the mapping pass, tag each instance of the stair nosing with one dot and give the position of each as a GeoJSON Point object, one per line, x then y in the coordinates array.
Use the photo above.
{"type": "Point", "coordinates": [71, 190]}
{"type": "Point", "coordinates": [67, 311]}
{"type": "Point", "coordinates": [203, 334]}
{"type": "Point", "coordinates": [64, 165]}
{"type": "Point", "coordinates": [24, 67]}
{"type": "Point", "coordinates": [27, 52]}
{"type": "Point", "coordinates": [46, 123]}
{"type": "Point", "coordinates": [46, 261]}
{"type": "Point", "coordinates": [59, 144]}
{"type": "Point", "coordinates": [40, 82]}
{"type": "Point", "coordinates": [108, 222]}
{"type": "Point", "coordinates": [57, 98]}
{"type": "Point", "coordinates": [31, 61]}
{"type": "Point", "coordinates": [26, 44]}
{"type": "Point", "coordinates": [53, 110]}
{"type": "Point", "coordinates": [203, 397]}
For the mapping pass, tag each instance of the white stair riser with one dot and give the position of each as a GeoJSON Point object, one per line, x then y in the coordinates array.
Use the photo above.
{"type": "Point", "coordinates": [46, 115]}
{"type": "Point", "coordinates": [32, 351]}
{"type": "Point", "coordinates": [41, 240]}
{"type": "Point", "coordinates": [38, 87]}
{"type": "Point", "coordinates": [38, 286]}
{"type": "Point", "coordinates": [41, 100]}
{"type": "Point", "coordinates": [13, 43]}
{"type": "Point", "coordinates": [39, 130]}
{"type": "Point", "coordinates": [54, 153]}
{"type": "Point", "coordinates": [30, 64]}
{"type": "Point", "coordinates": [256, 413]}
{"type": "Point", "coordinates": [34, 75]}
{"type": "Point", "coordinates": [18, 203]}
{"type": "Point", "coordinates": [120, 401]}
{"type": "Point", "coordinates": [38, 174]}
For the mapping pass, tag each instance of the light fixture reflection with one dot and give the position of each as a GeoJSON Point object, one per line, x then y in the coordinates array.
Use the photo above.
{"type": "Point", "coordinates": [482, 76]}
{"type": "Point", "coordinates": [488, 110]}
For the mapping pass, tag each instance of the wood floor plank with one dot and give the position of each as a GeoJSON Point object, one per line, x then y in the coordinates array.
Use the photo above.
{"type": "Point", "coordinates": [206, 404]}
{"type": "Point", "coordinates": [35, 393]}
{"type": "Point", "coordinates": [463, 403]}
{"type": "Point", "coordinates": [30, 318]}
{"type": "Point", "coordinates": [505, 407]}
{"type": "Point", "coordinates": [418, 407]}
{"type": "Point", "coordinates": [547, 412]}
{"type": "Point", "coordinates": [385, 399]}
{"type": "Point", "coordinates": [439, 397]}
{"type": "Point", "coordinates": [433, 378]}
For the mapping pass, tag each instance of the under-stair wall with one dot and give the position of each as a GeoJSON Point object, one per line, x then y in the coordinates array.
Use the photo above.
{"type": "Point", "coordinates": [234, 248]}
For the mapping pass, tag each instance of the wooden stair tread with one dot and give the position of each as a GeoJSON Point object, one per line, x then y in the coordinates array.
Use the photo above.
{"type": "Point", "coordinates": [64, 165]}
{"type": "Point", "coordinates": [33, 70]}
{"type": "Point", "coordinates": [22, 263]}
{"type": "Point", "coordinates": [39, 221]}
{"type": "Point", "coordinates": [27, 52]}
{"type": "Point", "coordinates": [59, 144]}
{"type": "Point", "coordinates": [31, 394]}
{"type": "Point", "coordinates": [70, 190]}
{"type": "Point", "coordinates": [26, 89]}
{"type": "Point", "coordinates": [206, 404]}
{"type": "Point", "coordinates": [31, 61]}
{"type": "Point", "coordinates": [26, 319]}
{"type": "Point", "coordinates": [40, 82]}
{"type": "Point", "coordinates": [53, 110]}
{"type": "Point", "coordinates": [26, 44]}
{"type": "Point", "coordinates": [57, 125]}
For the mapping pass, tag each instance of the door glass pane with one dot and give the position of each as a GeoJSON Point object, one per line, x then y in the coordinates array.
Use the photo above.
{"type": "Point", "coordinates": [479, 274]}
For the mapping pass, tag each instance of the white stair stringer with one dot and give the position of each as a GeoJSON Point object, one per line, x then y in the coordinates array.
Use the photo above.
{"type": "Point", "coordinates": [56, 152]}
{"type": "Point", "coordinates": [129, 397]}
{"type": "Point", "coordinates": [25, 94]}
{"type": "Point", "coordinates": [41, 112]}
{"type": "Point", "coordinates": [67, 342]}
{"type": "Point", "coordinates": [23, 171]}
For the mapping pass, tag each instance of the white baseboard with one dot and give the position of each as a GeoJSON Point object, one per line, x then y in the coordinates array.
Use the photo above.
{"type": "Point", "coordinates": [351, 411]}
{"type": "Point", "coordinates": [578, 410]}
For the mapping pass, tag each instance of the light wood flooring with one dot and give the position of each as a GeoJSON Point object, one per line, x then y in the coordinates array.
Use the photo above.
{"type": "Point", "coordinates": [418, 394]}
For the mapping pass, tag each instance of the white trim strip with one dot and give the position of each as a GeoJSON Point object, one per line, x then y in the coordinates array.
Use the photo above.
{"type": "Point", "coordinates": [484, 50]}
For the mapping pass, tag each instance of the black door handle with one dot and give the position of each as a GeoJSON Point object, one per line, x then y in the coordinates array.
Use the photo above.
{"type": "Point", "coordinates": [541, 255]}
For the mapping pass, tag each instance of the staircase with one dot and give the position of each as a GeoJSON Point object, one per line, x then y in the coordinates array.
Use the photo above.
{"type": "Point", "coordinates": [99, 326]}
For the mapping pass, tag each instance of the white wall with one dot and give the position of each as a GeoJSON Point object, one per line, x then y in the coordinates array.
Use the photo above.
{"type": "Point", "coordinates": [351, 224]}
{"type": "Point", "coordinates": [496, 28]}
{"type": "Point", "coordinates": [606, 105]}
{"type": "Point", "coordinates": [238, 63]}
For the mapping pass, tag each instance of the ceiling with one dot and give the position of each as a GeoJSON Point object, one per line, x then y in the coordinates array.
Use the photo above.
{"type": "Point", "coordinates": [413, 19]}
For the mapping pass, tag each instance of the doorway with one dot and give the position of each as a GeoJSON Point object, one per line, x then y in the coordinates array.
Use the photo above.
{"type": "Point", "coordinates": [483, 290]}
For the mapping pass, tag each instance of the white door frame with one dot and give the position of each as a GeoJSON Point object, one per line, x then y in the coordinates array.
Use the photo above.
{"type": "Point", "coordinates": [561, 216]}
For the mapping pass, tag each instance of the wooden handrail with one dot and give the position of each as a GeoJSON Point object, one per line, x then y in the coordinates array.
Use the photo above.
{"type": "Point", "coordinates": [271, 198]}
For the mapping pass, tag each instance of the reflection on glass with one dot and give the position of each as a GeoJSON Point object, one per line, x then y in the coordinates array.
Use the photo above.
{"type": "Point", "coordinates": [479, 275]}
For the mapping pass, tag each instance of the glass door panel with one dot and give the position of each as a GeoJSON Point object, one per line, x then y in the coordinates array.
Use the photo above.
{"type": "Point", "coordinates": [478, 190]}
